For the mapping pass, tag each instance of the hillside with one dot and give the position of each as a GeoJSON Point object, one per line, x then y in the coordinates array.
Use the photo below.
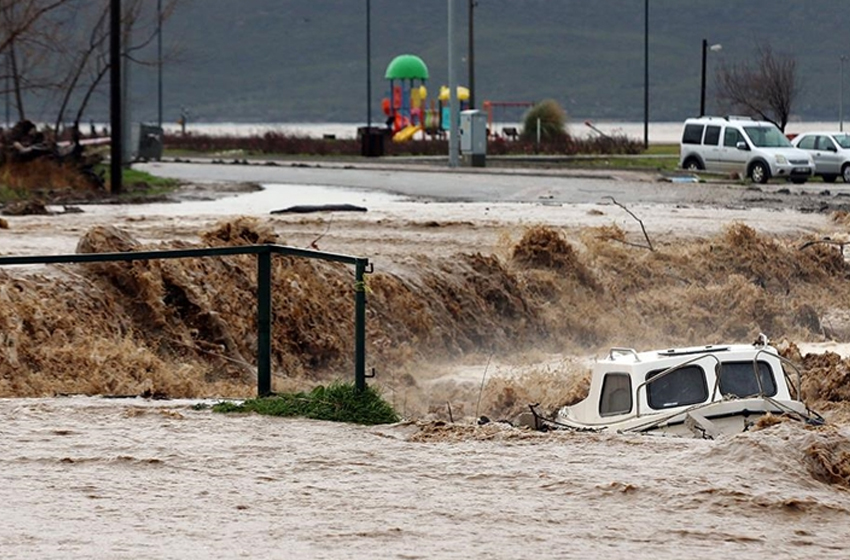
{"type": "Point", "coordinates": [264, 60]}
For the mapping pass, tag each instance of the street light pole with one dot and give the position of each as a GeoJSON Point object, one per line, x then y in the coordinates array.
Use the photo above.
{"type": "Point", "coordinates": [453, 108]}
{"type": "Point", "coordinates": [8, 89]}
{"type": "Point", "coordinates": [369, 66]}
{"type": "Point", "coordinates": [841, 60]}
{"type": "Point", "coordinates": [159, 63]}
{"type": "Point", "coordinates": [702, 84]}
{"type": "Point", "coordinates": [705, 49]}
{"type": "Point", "coordinates": [115, 116]}
{"type": "Point", "coordinates": [472, 4]}
{"type": "Point", "coordinates": [646, 74]}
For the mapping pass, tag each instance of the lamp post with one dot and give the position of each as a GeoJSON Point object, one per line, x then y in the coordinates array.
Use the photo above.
{"type": "Point", "coordinates": [8, 86]}
{"type": "Point", "coordinates": [646, 74]}
{"type": "Point", "coordinates": [705, 49]}
{"type": "Point", "coordinates": [453, 108]}
{"type": "Point", "coordinates": [115, 116]}
{"type": "Point", "coordinates": [472, 5]}
{"type": "Point", "coordinates": [159, 63]}
{"type": "Point", "coordinates": [368, 66]}
{"type": "Point", "coordinates": [841, 60]}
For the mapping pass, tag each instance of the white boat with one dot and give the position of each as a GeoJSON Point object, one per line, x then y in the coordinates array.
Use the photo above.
{"type": "Point", "coordinates": [703, 391]}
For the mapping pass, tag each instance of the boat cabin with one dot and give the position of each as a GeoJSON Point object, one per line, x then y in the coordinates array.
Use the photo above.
{"type": "Point", "coordinates": [629, 385]}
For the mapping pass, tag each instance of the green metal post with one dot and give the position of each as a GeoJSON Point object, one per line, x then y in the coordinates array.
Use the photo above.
{"type": "Point", "coordinates": [360, 324]}
{"type": "Point", "coordinates": [264, 323]}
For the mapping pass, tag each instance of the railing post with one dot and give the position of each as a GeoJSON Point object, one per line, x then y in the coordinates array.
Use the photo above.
{"type": "Point", "coordinates": [360, 324]}
{"type": "Point", "coordinates": [264, 323]}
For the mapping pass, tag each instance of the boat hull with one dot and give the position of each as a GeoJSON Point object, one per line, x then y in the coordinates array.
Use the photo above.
{"type": "Point", "coordinates": [708, 421]}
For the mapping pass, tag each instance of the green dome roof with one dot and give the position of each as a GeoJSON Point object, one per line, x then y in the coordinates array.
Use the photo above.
{"type": "Point", "coordinates": [407, 67]}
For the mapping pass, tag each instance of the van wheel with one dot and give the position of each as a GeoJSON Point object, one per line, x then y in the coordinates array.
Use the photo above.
{"type": "Point", "coordinates": [692, 164]}
{"type": "Point", "coordinates": [759, 173]}
{"type": "Point", "coordinates": [829, 178]}
{"type": "Point", "coordinates": [845, 172]}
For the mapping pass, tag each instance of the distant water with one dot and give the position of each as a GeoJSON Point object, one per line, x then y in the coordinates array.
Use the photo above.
{"type": "Point", "coordinates": [659, 132]}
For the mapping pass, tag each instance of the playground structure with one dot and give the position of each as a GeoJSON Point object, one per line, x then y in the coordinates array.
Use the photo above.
{"type": "Point", "coordinates": [404, 106]}
{"type": "Point", "coordinates": [409, 112]}
{"type": "Point", "coordinates": [407, 107]}
{"type": "Point", "coordinates": [510, 131]}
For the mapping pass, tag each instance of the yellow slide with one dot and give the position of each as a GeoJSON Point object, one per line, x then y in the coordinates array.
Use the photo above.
{"type": "Point", "coordinates": [406, 133]}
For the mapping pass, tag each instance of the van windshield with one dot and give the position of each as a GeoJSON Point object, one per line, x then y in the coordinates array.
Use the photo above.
{"type": "Point", "coordinates": [766, 137]}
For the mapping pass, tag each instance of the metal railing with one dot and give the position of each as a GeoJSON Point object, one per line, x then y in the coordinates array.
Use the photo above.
{"type": "Point", "coordinates": [264, 293]}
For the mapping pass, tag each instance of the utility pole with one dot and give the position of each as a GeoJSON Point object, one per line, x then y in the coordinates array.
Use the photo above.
{"type": "Point", "coordinates": [472, 4]}
{"type": "Point", "coordinates": [8, 88]}
{"type": "Point", "coordinates": [646, 74]}
{"type": "Point", "coordinates": [841, 61]}
{"type": "Point", "coordinates": [115, 152]}
{"type": "Point", "coordinates": [159, 63]}
{"type": "Point", "coordinates": [705, 49]}
{"type": "Point", "coordinates": [369, 66]}
{"type": "Point", "coordinates": [702, 83]}
{"type": "Point", "coordinates": [453, 108]}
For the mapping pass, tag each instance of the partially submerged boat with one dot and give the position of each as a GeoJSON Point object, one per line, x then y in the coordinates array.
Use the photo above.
{"type": "Point", "coordinates": [703, 391]}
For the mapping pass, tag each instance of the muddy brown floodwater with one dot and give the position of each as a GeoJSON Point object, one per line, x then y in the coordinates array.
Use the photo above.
{"type": "Point", "coordinates": [92, 478]}
{"type": "Point", "coordinates": [476, 307]}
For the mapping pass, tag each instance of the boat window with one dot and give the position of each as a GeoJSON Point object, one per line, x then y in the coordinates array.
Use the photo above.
{"type": "Point", "coordinates": [738, 379]}
{"type": "Point", "coordinates": [681, 387]}
{"type": "Point", "coordinates": [616, 395]}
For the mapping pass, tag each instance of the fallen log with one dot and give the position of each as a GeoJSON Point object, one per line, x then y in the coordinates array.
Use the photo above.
{"type": "Point", "coordinates": [308, 208]}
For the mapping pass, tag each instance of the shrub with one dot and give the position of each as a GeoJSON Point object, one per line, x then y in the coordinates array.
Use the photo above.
{"type": "Point", "coordinates": [338, 402]}
{"type": "Point", "coordinates": [553, 121]}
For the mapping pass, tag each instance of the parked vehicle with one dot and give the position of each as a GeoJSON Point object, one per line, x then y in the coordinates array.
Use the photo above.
{"type": "Point", "coordinates": [754, 149]}
{"type": "Point", "coordinates": [830, 152]}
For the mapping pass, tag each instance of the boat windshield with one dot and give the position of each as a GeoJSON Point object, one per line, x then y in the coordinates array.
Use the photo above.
{"type": "Point", "coordinates": [767, 137]}
{"type": "Point", "coordinates": [684, 386]}
{"type": "Point", "coordinates": [738, 379]}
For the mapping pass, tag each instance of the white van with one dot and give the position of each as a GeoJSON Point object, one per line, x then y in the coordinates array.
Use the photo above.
{"type": "Point", "coordinates": [754, 149]}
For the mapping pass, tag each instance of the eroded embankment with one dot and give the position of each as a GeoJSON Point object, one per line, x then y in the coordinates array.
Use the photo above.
{"type": "Point", "coordinates": [187, 328]}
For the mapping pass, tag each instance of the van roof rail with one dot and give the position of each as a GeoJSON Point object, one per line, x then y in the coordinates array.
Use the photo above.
{"type": "Point", "coordinates": [738, 118]}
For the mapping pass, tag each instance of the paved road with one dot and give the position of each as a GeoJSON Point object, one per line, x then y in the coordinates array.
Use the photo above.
{"type": "Point", "coordinates": [516, 185]}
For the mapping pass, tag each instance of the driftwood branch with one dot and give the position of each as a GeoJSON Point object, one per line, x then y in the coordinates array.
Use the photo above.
{"type": "Point", "coordinates": [642, 227]}
{"type": "Point", "coordinates": [315, 243]}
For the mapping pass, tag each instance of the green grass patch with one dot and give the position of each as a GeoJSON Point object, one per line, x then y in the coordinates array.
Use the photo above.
{"type": "Point", "coordinates": [135, 176]}
{"type": "Point", "coordinates": [663, 150]}
{"type": "Point", "coordinates": [338, 402]}
{"type": "Point", "coordinates": [9, 194]}
{"type": "Point", "coordinates": [139, 183]}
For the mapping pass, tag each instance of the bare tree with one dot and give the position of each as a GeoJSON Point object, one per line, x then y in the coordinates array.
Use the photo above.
{"type": "Point", "coordinates": [57, 50]}
{"type": "Point", "coordinates": [19, 17]}
{"type": "Point", "coordinates": [26, 32]}
{"type": "Point", "coordinates": [766, 91]}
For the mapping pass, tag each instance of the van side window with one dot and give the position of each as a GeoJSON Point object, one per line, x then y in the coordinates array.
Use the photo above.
{"type": "Point", "coordinates": [692, 134]}
{"type": "Point", "coordinates": [616, 395]}
{"type": "Point", "coordinates": [712, 135]}
{"type": "Point", "coordinates": [732, 137]}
